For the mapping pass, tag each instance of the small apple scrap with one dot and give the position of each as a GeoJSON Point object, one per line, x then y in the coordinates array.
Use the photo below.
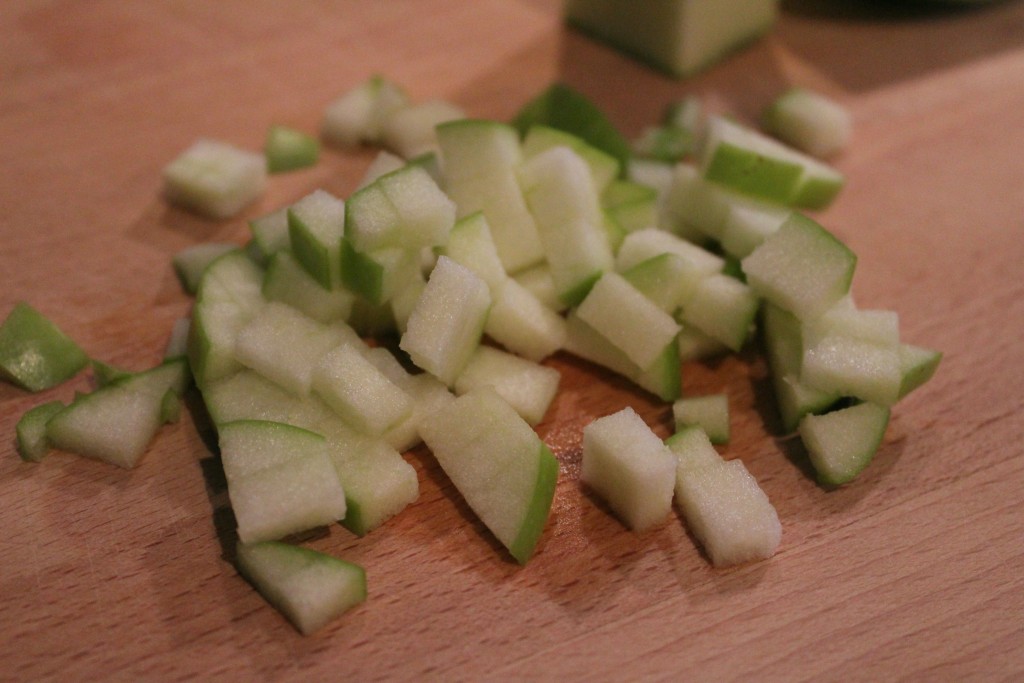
{"type": "Point", "coordinates": [543, 235]}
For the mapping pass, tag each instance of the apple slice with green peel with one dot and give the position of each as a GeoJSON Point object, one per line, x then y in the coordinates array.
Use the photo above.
{"type": "Point", "coordinates": [567, 207]}
{"type": "Point", "coordinates": [629, 467]}
{"type": "Point", "coordinates": [749, 224]}
{"type": "Point", "coordinates": [229, 295]}
{"type": "Point", "coordinates": [447, 322]}
{"type": "Point", "coordinates": [34, 353]}
{"type": "Point", "coordinates": [723, 308]}
{"type": "Point", "coordinates": [710, 413]}
{"type": "Point", "coordinates": [498, 463]}
{"type": "Point", "coordinates": [471, 244]}
{"type": "Point", "coordinates": [310, 588]}
{"type": "Point", "coordinates": [269, 235]}
{"type": "Point", "coordinates": [377, 276]}
{"type": "Point", "coordinates": [784, 350]}
{"type": "Point", "coordinates": [215, 179]}
{"type": "Point", "coordinates": [802, 268]}
{"type": "Point", "coordinates": [644, 244]}
{"type": "Point", "coordinates": [378, 482]}
{"type": "Point", "coordinates": [248, 395]}
{"type": "Point", "coordinates": [33, 444]}
{"type": "Point", "coordinates": [681, 37]}
{"type": "Point", "coordinates": [117, 422]}
{"type": "Point", "coordinates": [404, 208]}
{"type": "Point", "coordinates": [249, 446]}
{"type": "Point", "coordinates": [293, 496]}
{"type": "Point", "coordinates": [359, 392]}
{"type": "Point", "coordinates": [809, 121]}
{"type": "Point", "coordinates": [527, 386]}
{"type": "Point", "coordinates": [661, 378]}
{"type": "Point", "coordinates": [287, 282]}
{"type": "Point", "coordinates": [666, 279]}
{"type": "Point", "coordinates": [632, 205]}
{"type": "Point", "coordinates": [356, 116]}
{"type": "Point", "coordinates": [727, 511]}
{"type": "Point", "coordinates": [618, 311]}
{"type": "Point", "coordinates": [541, 284]}
{"type": "Point", "coordinates": [752, 163]}
{"type": "Point", "coordinates": [604, 168]}
{"type": "Point", "coordinates": [285, 346]}
{"type": "Point", "coordinates": [288, 149]}
{"type": "Point", "coordinates": [917, 365]}
{"type": "Point", "coordinates": [855, 367]}
{"type": "Point", "coordinates": [316, 225]}
{"type": "Point", "coordinates": [190, 263]}
{"type": "Point", "coordinates": [843, 442]}
{"type": "Point", "coordinates": [560, 106]}
{"type": "Point", "coordinates": [480, 158]}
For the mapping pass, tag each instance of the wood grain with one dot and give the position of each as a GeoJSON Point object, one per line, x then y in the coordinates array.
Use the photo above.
{"type": "Point", "coordinates": [911, 572]}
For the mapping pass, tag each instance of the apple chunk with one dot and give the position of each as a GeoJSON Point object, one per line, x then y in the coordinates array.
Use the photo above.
{"type": "Point", "coordinates": [498, 463]}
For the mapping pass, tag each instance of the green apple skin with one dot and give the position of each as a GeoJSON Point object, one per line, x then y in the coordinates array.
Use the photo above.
{"type": "Point", "coordinates": [34, 353]}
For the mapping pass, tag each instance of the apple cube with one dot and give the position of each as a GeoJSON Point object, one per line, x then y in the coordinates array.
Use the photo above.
{"type": "Point", "coordinates": [810, 121]}
{"type": "Point", "coordinates": [360, 393]}
{"type": "Point", "coordinates": [357, 115]}
{"type": "Point", "coordinates": [287, 149]}
{"type": "Point", "coordinates": [843, 442]}
{"type": "Point", "coordinates": [316, 224]}
{"type": "Point", "coordinates": [710, 413]}
{"type": "Point", "coordinates": [215, 179]}
{"type": "Point", "coordinates": [30, 431]}
{"type": "Point", "coordinates": [527, 386]}
{"type": "Point", "coordinates": [629, 467]}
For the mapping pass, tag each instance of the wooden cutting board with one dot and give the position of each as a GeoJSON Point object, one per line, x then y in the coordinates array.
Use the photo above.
{"type": "Point", "coordinates": [912, 571]}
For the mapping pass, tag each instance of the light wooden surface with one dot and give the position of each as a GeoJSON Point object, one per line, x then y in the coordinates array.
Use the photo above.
{"type": "Point", "coordinates": [911, 572]}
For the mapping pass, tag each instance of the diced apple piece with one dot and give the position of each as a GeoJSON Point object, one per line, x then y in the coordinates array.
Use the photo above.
{"type": "Point", "coordinates": [190, 263]}
{"type": "Point", "coordinates": [480, 158]}
{"type": "Point", "coordinates": [404, 208]}
{"type": "Point", "coordinates": [308, 587]}
{"type": "Point", "coordinates": [723, 308]}
{"type": "Point", "coordinates": [269, 235]}
{"type": "Point", "coordinates": [566, 205]}
{"type": "Point", "coordinates": [409, 131]}
{"type": "Point", "coordinates": [710, 413]}
{"type": "Point", "coordinates": [293, 496]}
{"type": "Point", "coordinates": [728, 513]}
{"type": "Point", "coordinates": [249, 446]}
{"type": "Point", "coordinates": [34, 353]}
{"type": "Point", "coordinates": [287, 282]}
{"type": "Point", "coordinates": [356, 116]}
{"type": "Point", "coordinates": [661, 378]}
{"type": "Point", "coordinates": [917, 365]}
{"type": "Point", "coordinates": [117, 422]}
{"type": "Point", "coordinates": [285, 346]}
{"type": "Point", "coordinates": [619, 312]}
{"type": "Point", "coordinates": [446, 325]}
{"type": "Point", "coordinates": [248, 395]}
{"type": "Point", "coordinates": [564, 108]}
{"type": "Point", "coordinates": [471, 244]}
{"type": "Point", "coordinates": [287, 149]}
{"type": "Point", "coordinates": [843, 442]}
{"type": "Point", "coordinates": [666, 279]}
{"type": "Point", "coordinates": [527, 386]}
{"type": "Point", "coordinates": [629, 467]}
{"type": "Point", "coordinates": [360, 393]}
{"type": "Point", "coordinates": [316, 224]}
{"type": "Point", "coordinates": [802, 268]}
{"type": "Point", "coordinates": [810, 121]}
{"type": "Point", "coordinates": [644, 244]}
{"type": "Point", "coordinates": [632, 205]}
{"type": "Point", "coordinates": [521, 323]}
{"type": "Point", "coordinates": [379, 483]}
{"type": "Point", "coordinates": [215, 179]}
{"type": "Point", "coordinates": [693, 450]}
{"type": "Point", "coordinates": [30, 431]}
{"type": "Point", "coordinates": [853, 367]}
{"type": "Point", "coordinates": [753, 163]}
{"type": "Point", "coordinates": [539, 282]}
{"type": "Point", "coordinates": [229, 296]}
{"type": "Point", "coordinates": [681, 37]}
{"type": "Point", "coordinates": [498, 463]}
{"type": "Point", "coordinates": [377, 276]}
{"type": "Point", "coordinates": [604, 168]}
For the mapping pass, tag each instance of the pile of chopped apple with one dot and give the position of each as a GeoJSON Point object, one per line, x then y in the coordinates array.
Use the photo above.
{"type": "Point", "coordinates": [484, 248]}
